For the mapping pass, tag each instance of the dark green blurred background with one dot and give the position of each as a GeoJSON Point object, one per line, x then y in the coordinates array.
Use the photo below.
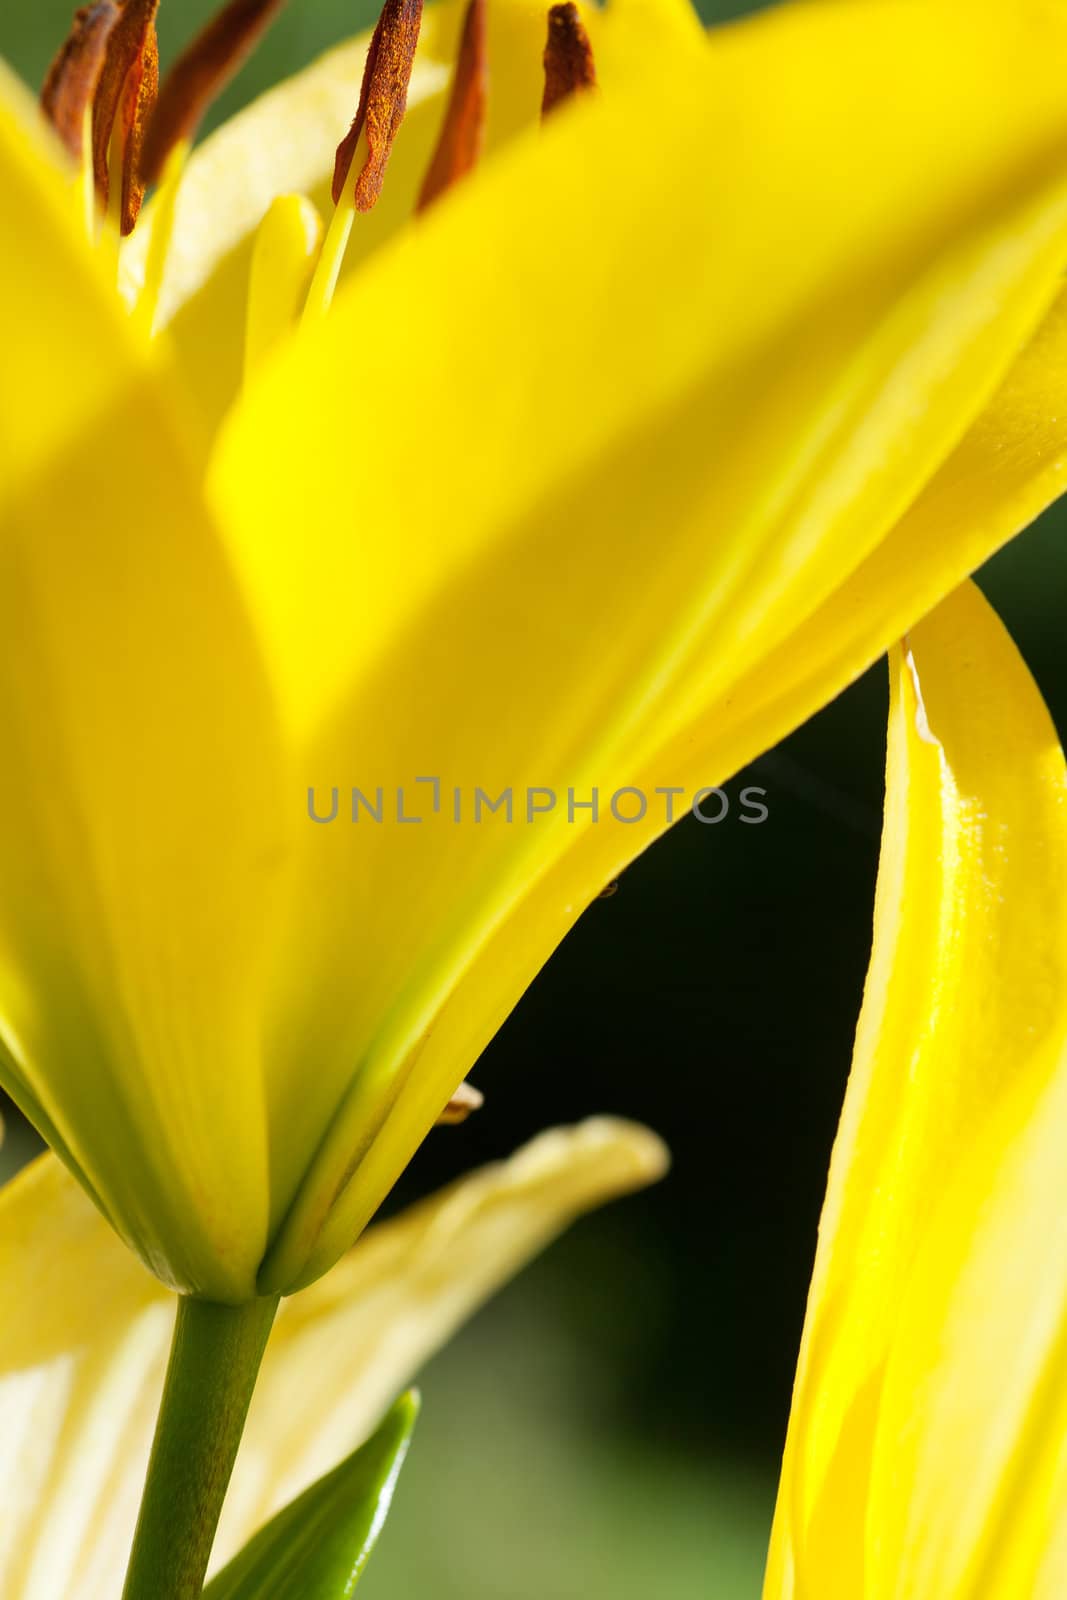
{"type": "Point", "coordinates": [611, 1425]}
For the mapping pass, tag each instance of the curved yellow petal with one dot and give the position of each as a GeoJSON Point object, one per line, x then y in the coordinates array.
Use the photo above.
{"type": "Point", "coordinates": [137, 809]}
{"type": "Point", "coordinates": [287, 139]}
{"type": "Point", "coordinates": [445, 333]}
{"type": "Point", "coordinates": [968, 1490]}
{"type": "Point", "coordinates": [914, 1413]}
{"type": "Point", "coordinates": [81, 1372]}
{"type": "Point", "coordinates": [554, 551]}
{"type": "Point", "coordinates": [1009, 466]}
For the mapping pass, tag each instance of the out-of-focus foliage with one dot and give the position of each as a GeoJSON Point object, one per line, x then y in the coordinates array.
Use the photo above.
{"type": "Point", "coordinates": [520, 1484]}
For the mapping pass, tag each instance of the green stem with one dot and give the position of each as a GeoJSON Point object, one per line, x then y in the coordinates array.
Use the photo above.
{"type": "Point", "coordinates": [214, 1362]}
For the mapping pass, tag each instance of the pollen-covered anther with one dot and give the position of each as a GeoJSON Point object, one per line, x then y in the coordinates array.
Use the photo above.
{"type": "Point", "coordinates": [382, 102]}
{"type": "Point", "coordinates": [73, 78]}
{"type": "Point", "coordinates": [569, 65]}
{"type": "Point", "coordinates": [142, 88]}
{"type": "Point", "coordinates": [462, 136]}
{"type": "Point", "coordinates": [123, 101]}
{"type": "Point", "coordinates": [466, 1100]}
{"type": "Point", "coordinates": [200, 74]}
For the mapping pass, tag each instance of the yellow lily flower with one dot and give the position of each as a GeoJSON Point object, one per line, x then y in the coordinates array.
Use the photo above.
{"type": "Point", "coordinates": [925, 1451]}
{"type": "Point", "coordinates": [604, 474]}
{"type": "Point", "coordinates": [80, 1374]}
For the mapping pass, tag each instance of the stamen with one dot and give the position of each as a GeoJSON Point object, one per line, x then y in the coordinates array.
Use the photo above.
{"type": "Point", "coordinates": [200, 73]}
{"type": "Point", "coordinates": [131, 66]}
{"type": "Point", "coordinates": [467, 1099]}
{"type": "Point", "coordinates": [569, 65]}
{"type": "Point", "coordinates": [383, 100]}
{"type": "Point", "coordinates": [73, 77]}
{"type": "Point", "coordinates": [142, 88]}
{"type": "Point", "coordinates": [459, 147]}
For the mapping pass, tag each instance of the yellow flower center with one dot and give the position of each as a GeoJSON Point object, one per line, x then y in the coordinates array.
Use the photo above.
{"type": "Point", "coordinates": [103, 97]}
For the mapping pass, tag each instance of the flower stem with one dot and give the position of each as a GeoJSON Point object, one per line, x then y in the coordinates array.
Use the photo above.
{"type": "Point", "coordinates": [214, 1362]}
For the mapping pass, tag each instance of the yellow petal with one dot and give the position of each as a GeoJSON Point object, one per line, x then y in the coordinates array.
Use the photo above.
{"type": "Point", "coordinates": [81, 1373]}
{"type": "Point", "coordinates": [934, 1255]}
{"type": "Point", "coordinates": [287, 139]}
{"type": "Point", "coordinates": [635, 448]}
{"type": "Point", "coordinates": [1009, 467]}
{"type": "Point", "coordinates": [136, 818]}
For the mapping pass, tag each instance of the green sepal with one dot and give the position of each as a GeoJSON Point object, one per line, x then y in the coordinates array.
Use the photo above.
{"type": "Point", "coordinates": [317, 1547]}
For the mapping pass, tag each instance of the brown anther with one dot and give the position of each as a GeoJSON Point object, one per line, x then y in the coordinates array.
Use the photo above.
{"type": "Point", "coordinates": [71, 84]}
{"type": "Point", "coordinates": [459, 146]}
{"type": "Point", "coordinates": [130, 66]}
{"type": "Point", "coordinates": [138, 102]}
{"type": "Point", "coordinates": [200, 74]}
{"type": "Point", "coordinates": [569, 65]}
{"type": "Point", "coordinates": [466, 1100]}
{"type": "Point", "coordinates": [383, 100]}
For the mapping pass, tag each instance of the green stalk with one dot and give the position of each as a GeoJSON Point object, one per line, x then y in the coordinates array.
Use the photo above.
{"type": "Point", "coordinates": [214, 1362]}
